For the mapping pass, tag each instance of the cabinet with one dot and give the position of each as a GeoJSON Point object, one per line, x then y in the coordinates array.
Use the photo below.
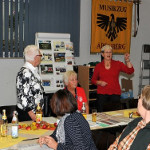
{"type": "Point", "coordinates": [144, 67]}
{"type": "Point", "coordinates": [84, 77]}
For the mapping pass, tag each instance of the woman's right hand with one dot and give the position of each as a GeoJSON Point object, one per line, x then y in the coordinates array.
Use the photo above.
{"type": "Point", "coordinates": [101, 83]}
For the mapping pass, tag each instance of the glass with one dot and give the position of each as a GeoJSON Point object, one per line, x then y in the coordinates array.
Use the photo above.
{"type": "Point", "coordinates": [108, 52]}
{"type": "Point", "coordinates": [94, 115]}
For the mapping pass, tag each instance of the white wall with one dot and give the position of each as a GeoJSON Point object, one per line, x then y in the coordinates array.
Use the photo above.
{"type": "Point", "coordinates": [10, 67]}
{"type": "Point", "coordinates": [143, 37]}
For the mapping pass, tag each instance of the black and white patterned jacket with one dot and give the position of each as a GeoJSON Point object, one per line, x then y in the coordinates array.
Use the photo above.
{"type": "Point", "coordinates": [29, 88]}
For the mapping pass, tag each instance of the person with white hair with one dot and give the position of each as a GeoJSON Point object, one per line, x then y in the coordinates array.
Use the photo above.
{"type": "Point", "coordinates": [29, 85]}
{"type": "Point", "coordinates": [106, 77]}
{"type": "Point", "coordinates": [71, 84]}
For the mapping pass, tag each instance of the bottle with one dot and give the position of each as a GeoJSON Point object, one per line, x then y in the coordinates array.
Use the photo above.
{"type": "Point", "coordinates": [4, 124]}
{"type": "Point", "coordinates": [14, 127]}
{"type": "Point", "coordinates": [83, 110]}
{"type": "Point", "coordinates": [38, 114]}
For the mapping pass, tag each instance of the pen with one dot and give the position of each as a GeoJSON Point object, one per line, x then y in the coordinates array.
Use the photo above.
{"type": "Point", "coordinates": [30, 139]}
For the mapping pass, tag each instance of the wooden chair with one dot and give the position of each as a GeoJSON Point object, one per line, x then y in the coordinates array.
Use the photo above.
{"type": "Point", "coordinates": [126, 87]}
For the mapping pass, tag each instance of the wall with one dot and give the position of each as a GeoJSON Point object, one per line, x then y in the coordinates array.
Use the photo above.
{"type": "Point", "coordinates": [10, 67]}
{"type": "Point", "coordinates": [143, 37]}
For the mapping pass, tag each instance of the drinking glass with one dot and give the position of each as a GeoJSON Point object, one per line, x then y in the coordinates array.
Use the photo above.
{"type": "Point", "coordinates": [94, 115]}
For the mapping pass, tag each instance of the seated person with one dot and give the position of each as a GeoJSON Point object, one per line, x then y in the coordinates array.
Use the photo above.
{"type": "Point", "coordinates": [136, 136]}
{"type": "Point", "coordinates": [70, 81]}
{"type": "Point", "coordinates": [73, 131]}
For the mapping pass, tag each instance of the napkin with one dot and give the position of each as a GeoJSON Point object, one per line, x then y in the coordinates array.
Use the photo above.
{"type": "Point", "coordinates": [9, 141]}
{"type": "Point", "coordinates": [36, 132]}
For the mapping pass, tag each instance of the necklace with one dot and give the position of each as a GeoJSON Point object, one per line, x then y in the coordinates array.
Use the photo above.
{"type": "Point", "coordinates": [107, 65]}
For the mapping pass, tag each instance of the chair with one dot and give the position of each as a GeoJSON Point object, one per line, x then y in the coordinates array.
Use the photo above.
{"type": "Point", "coordinates": [127, 86]}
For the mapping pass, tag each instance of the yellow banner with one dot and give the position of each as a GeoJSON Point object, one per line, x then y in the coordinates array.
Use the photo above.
{"type": "Point", "coordinates": [111, 24]}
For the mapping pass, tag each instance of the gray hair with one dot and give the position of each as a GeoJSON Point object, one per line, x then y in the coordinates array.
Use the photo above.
{"type": "Point", "coordinates": [67, 74]}
{"type": "Point", "coordinates": [105, 47]}
{"type": "Point", "coordinates": [30, 52]}
{"type": "Point", "coordinates": [146, 97]}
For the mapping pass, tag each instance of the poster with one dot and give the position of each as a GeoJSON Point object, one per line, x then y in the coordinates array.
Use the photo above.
{"type": "Point", "coordinates": [57, 58]}
{"type": "Point", "coordinates": [111, 25]}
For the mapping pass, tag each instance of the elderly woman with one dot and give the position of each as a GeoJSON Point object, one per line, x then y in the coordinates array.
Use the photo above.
{"type": "Point", "coordinates": [73, 131]}
{"type": "Point", "coordinates": [136, 135]}
{"type": "Point", "coordinates": [106, 77]}
{"type": "Point", "coordinates": [29, 85]}
{"type": "Point", "coordinates": [70, 81]}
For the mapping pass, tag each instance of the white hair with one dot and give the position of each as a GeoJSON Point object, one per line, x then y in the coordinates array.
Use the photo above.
{"type": "Point", "coordinates": [105, 47]}
{"type": "Point", "coordinates": [67, 75]}
{"type": "Point", "coordinates": [30, 52]}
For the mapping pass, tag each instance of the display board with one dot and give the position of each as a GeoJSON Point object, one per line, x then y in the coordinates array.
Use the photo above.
{"type": "Point", "coordinates": [57, 58]}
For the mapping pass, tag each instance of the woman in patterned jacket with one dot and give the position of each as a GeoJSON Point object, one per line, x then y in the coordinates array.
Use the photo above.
{"type": "Point", "coordinates": [28, 84]}
{"type": "Point", "coordinates": [73, 131]}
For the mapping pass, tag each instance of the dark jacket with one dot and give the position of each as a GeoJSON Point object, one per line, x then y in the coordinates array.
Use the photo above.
{"type": "Point", "coordinates": [77, 134]}
{"type": "Point", "coordinates": [142, 139]}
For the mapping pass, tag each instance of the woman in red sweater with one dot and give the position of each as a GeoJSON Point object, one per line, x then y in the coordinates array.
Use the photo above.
{"type": "Point", "coordinates": [106, 77]}
{"type": "Point", "coordinates": [71, 82]}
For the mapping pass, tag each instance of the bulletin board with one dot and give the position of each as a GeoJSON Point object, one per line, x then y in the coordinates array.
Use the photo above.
{"type": "Point", "coordinates": [57, 58]}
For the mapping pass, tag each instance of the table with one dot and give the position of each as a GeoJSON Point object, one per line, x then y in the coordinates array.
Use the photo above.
{"type": "Point", "coordinates": [116, 117]}
{"type": "Point", "coordinates": [111, 119]}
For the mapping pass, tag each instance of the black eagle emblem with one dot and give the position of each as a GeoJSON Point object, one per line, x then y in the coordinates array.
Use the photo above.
{"type": "Point", "coordinates": [111, 26]}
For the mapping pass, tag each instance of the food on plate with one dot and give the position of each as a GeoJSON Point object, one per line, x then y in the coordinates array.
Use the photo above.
{"type": "Point", "coordinates": [36, 126]}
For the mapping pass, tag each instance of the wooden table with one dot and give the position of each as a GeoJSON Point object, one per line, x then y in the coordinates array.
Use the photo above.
{"type": "Point", "coordinates": [117, 116]}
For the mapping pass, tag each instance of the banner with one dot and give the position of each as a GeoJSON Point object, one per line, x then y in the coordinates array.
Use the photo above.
{"type": "Point", "coordinates": [111, 24]}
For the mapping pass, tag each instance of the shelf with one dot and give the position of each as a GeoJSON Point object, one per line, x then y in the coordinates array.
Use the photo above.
{"type": "Point", "coordinates": [92, 90]}
{"type": "Point", "coordinates": [145, 77]}
{"type": "Point", "coordinates": [92, 99]}
{"type": "Point", "coordinates": [84, 77]}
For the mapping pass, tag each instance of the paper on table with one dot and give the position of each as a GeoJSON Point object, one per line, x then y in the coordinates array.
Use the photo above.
{"type": "Point", "coordinates": [97, 124]}
{"type": "Point", "coordinates": [9, 141]}
{"type": "Point", "coordinates": [35, 132]}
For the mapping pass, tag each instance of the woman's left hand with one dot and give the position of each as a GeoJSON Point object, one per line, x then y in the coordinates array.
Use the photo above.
{"type": "Point", "coordinates": [49, 141]}
{"type": "Point", "coordinates": [41, 140]}
{"type": "Point", "coordinates": [127, 57]}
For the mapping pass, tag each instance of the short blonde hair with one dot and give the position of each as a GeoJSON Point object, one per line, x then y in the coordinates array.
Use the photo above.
{"type": "Point", "coordinates": [67, 74]}
{"type": "Point", "coordinates": [106, 47]}
{"type": "Point", "coordinates": [30, 52]}
{"type": "Point", "coordinates": [146, 97]}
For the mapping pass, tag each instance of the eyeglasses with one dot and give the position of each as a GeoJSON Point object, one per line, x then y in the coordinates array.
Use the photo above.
{"type": "Point", "coordinates": [108, 52]}
{"type": "Point", "coordinates": [39, 55]}
{"type": "Point", "coordinates": [139, 96]}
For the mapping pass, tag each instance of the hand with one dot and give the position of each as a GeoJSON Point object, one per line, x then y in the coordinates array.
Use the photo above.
{"type": "Point", "coordinates": [43, 122]}
{"type": "Point", "coordinates": [101, 83]}
{"type": "Point", "coordinates": [49, 141]}
{"type": "Point", "coordinates": [41, 140]}
{"type": "Point", "coordinates": [32, 115]}
{"type": "Point", "coordinates": [127, 57]}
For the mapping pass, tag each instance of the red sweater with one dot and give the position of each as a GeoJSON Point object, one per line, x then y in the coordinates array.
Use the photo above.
{"type": "Point", "coordinates": [111, 76]}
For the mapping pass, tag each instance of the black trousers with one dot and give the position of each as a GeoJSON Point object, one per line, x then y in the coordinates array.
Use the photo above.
{"type": "Point", "coordinates": [23, 115]}
{"type": "Point", "coordinates": [103, 100]}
